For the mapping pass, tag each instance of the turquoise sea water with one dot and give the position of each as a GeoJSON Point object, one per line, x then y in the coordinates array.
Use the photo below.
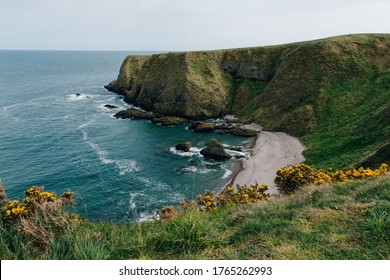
{"type": "Point", "coordinates": [120, 170]}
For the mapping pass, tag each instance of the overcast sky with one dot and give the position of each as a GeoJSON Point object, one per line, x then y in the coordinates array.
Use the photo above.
{"type": "Point", "coordinates": [182, 24]}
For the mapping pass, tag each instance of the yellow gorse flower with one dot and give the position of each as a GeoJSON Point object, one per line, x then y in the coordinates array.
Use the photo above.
{"type": "Point", "coordinates": [232, 197]}
{"type": "Point", "coordinates": [291, 178]}
{"type": "Point", "coordinates": [12, 210]}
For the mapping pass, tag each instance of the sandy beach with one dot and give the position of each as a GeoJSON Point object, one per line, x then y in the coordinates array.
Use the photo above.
{"type": "Point", "coordinates": [270, 151]}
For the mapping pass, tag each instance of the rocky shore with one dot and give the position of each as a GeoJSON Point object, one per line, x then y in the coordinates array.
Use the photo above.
{"type": "Point", "coordinates": [270, 150]}
{"type": "Point", "coordinates": [134, 113]}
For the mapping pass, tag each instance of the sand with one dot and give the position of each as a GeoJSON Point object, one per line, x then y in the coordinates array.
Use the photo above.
{"type": "Point", "coordinates": [270, 151]}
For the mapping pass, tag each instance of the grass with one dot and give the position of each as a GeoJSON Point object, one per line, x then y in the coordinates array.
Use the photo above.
{"type": "Point", "coordinates": [349, 221]}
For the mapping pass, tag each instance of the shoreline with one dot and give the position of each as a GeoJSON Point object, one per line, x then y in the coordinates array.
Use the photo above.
{"type": "Point", "coordinates": [240, 164]}
{"type": "Point", "coordinates": [270, 151]}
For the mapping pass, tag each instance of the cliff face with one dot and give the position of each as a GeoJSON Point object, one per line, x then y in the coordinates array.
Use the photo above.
{"type": "Point", "coordinates": [305, 89]}
{"type": "Point", "coordinates": [269, 80]}
{"type": "Point", "coordinates": [190, 85]}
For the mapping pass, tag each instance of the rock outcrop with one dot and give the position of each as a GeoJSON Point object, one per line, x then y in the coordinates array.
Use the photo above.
{"type": "Point", "coordinates": [215, 150]}
{"type": "Point", "coordinates": [133, 113]}
{"type": "Point", "coordinates": [184, 146]}
{"type": "Point", "coordinates": [199, 126]}
{"type": "Point", "coordinates": [225, 128]}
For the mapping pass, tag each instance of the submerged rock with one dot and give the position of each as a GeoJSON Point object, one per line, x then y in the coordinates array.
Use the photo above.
{"type": "Point", "coordinates": [215, 150]}
{"type": "Point", "coordinates": [109, 106]}
{"type": "Point", "coordinates": [184, 146]}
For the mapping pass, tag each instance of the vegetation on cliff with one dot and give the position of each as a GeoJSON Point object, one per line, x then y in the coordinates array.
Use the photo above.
{"type": "Point", "coordinates": [332, 93]}
{"type": "Point", "coordinates": [348, 220]}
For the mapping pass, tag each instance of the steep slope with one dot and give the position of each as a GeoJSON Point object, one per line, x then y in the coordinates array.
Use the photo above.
{"type": "Point", "coordinates": [332, 93]}
{"type": "Point", "coordinates": [190, 85]}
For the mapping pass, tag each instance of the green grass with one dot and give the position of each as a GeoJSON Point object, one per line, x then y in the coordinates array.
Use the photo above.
{"type": "Point", "coordinates": [349, 221]}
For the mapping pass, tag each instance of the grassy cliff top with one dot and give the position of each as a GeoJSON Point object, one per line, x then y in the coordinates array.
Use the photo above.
{"type": "Point", "coordinates": [348, 221]}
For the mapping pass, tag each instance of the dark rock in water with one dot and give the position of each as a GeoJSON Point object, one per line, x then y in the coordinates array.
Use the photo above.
{"type": "Point", "coordinates": [79, 95]}
{"type": "Point", "coordinates": [184, 146]}
{"type": "Point", "coordinates": [194, 124]}
{"type": "Point", "coordinates": [215, 150]}
{"type": "Point", "coordinates": [199, 126]}
{"type": "Point", "coordinates": [133, 113]}
{"type": "Point", "coordinates": [167, 121]}
{"type": "Point", "coordinates": [109, 106]}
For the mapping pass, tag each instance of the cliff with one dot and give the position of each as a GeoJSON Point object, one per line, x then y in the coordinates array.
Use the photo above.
{"type": "Point", "coordinates": [337, 87]}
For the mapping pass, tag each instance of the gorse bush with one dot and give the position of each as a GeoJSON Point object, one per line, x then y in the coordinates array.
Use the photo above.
{"type": "Point", "coordinates": [12, 211]}
{"type": "Point", "coordinates": [39, 216]}
{"type": "Point", "coordinates": [232, 197]}
{"type": "Point", "coordinates": [290, 179]}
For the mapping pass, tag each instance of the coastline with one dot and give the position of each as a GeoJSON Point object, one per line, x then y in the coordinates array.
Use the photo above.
{"type": "Point", "coordinates": [270, 151]}
{"type": "Point", "coordinates": [240, 165]}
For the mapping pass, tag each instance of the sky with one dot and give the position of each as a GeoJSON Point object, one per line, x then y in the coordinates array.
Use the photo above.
{"type": "Point", "coordinates": [181, 25]}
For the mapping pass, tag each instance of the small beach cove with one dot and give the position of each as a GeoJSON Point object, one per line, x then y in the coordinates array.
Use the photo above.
{"type": "Point", "coordinates": [270, 151]}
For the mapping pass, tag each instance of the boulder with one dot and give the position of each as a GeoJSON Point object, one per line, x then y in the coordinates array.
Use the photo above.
{"type": "Point", "coordinates": [215, 150]}
{"type": "Point", "coordinates": [184, 146]}
{"type": "Point", "coordinates": [199, 126]}
{"type": "Point", "coordinates": [167, 120]}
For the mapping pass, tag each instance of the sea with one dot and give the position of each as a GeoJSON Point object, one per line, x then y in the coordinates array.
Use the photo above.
{"type": "Point", "coordinates": [56, 132]}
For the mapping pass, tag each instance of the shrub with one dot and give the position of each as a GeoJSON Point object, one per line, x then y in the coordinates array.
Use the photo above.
{"type": "Point", "coordinates": [39, 217]}
{"type": "Point", "coordinates": [232, 197]}
{"type": "Point", "coordinates": [290, 179]}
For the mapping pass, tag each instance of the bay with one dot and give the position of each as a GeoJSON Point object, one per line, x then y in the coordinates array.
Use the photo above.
{"type": "Point", "coordinates": [56, 132]}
